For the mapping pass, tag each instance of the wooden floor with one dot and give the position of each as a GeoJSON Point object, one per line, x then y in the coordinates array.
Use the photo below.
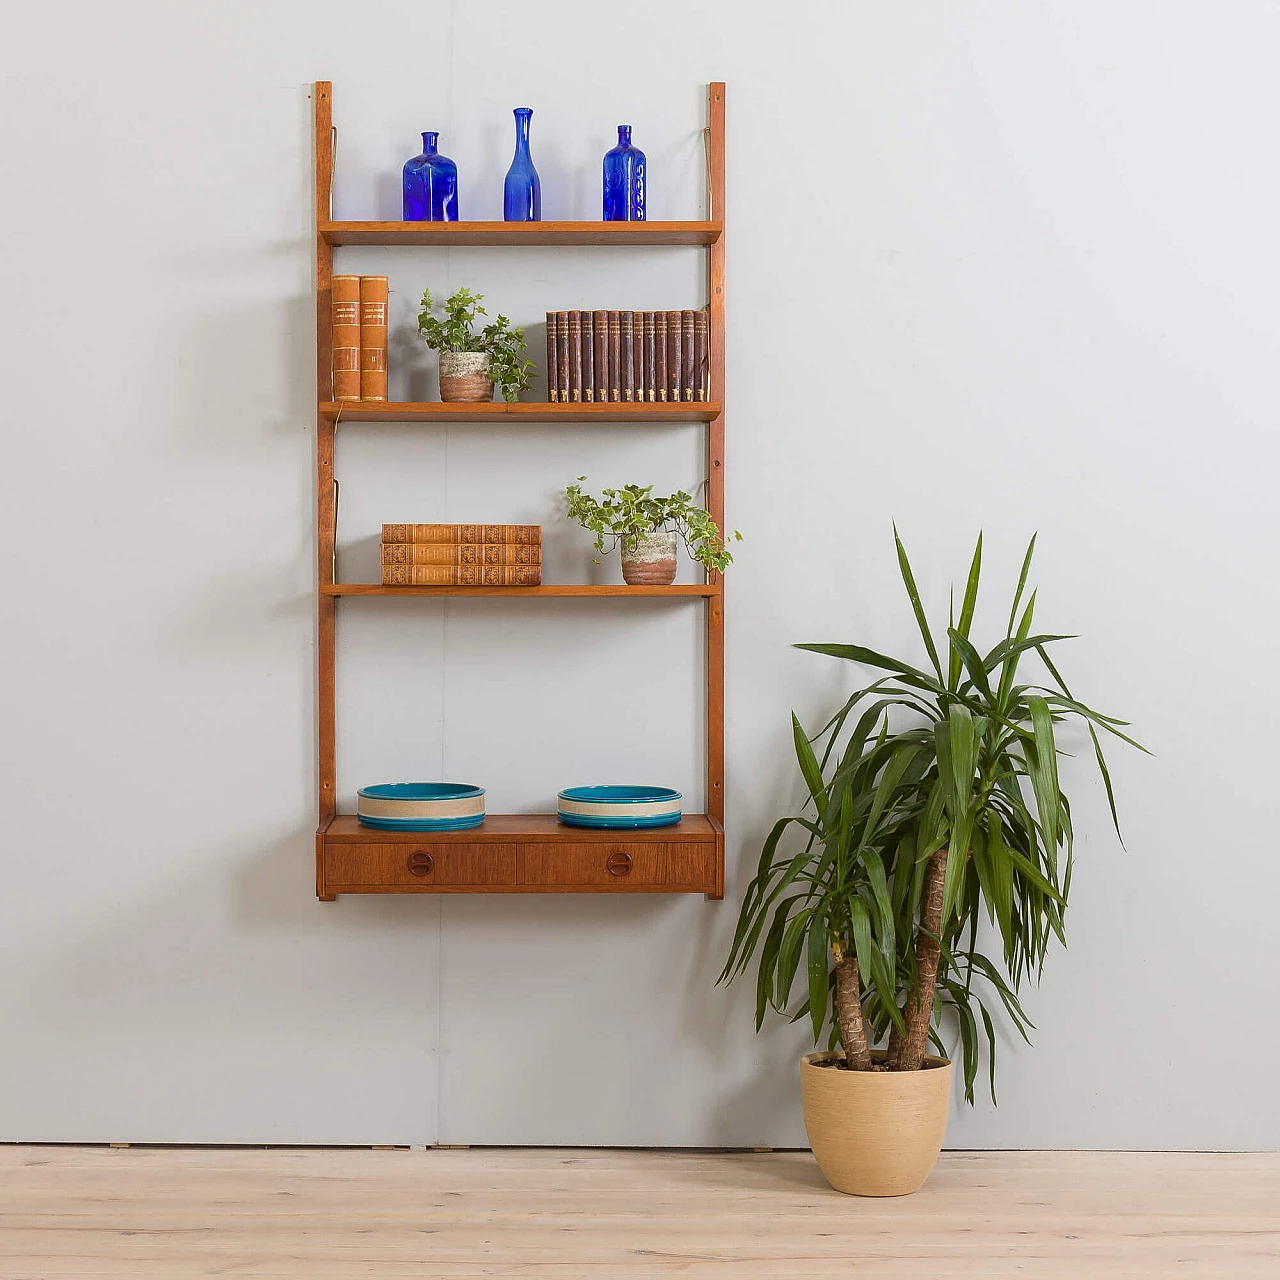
{"type": "Point", "coordinates": [324, 1213]}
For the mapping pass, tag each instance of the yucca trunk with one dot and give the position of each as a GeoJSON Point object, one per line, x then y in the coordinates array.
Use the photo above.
{"type": "Point", "coordinates": [853, 1028]}
{"type": "Point", "coordinates": [906, 1052]}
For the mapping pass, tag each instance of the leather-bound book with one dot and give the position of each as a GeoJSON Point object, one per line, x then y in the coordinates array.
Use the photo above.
{"type": "Point", "coordinates": [588, 355]}
{"type": "Point", "coordinates": [615, 355]}
{"type": "Point", "coordinates": [373, 337]}
{"type": "Point", "coordinates": [461, 575]}
{"type": "Point", "coordinates": [562, 354]}
{"type": "Point", "coordinates": [650, 384]}
{"type": "Point", "coordinates": [345, 313]}
{"type": "Point", "coordinates": [628, 378]}
{"type": "Point", "coordinates": [575, 356]}
{"type": "Point", "coordinates": [600, 325]}
{"type": "Point", "coordinates": [674, 350]}
{"type": "Point", "coordinates": [553, 371]}
{"type": "Point", "coordinates": [700, 355]}
{"type": "Point", "coordinates": [459, 553]}
{"type": "Point", "coordinates": [686, 356]}
{"type": "Point", "coordinates": [637, 357]}
{"type": "Point", "coordinates": [660, 353]}
{"type": "Point", "coordinates": [518, 535]}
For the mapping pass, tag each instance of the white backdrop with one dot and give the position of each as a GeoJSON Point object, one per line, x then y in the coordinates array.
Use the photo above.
{"type": "Point", "coordinates": [990, 265]}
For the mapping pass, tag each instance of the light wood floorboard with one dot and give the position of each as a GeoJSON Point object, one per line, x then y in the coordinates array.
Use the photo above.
{"type": "Point", "coordinates": [331, 1214]}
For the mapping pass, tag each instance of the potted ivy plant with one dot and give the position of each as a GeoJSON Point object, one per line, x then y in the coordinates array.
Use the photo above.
{"type": "Point", "coordinates": [472, 362]}
{"type": "Point", "coordinates": [647, 528]}
{"type": "Point", "coordinates": [933, 800]}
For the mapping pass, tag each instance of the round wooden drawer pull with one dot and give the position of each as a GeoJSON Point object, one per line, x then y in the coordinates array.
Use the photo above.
{"type": "Point", "coordinates": [421, 863]}
{"type": "Point", "coordinates": [618, 863]}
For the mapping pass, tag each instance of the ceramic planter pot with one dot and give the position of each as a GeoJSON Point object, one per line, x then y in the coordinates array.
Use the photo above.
{"type": "Point", "coordinates": [465, 376]}
{"type": "Point", "coordinates": [650, 562]}
{"type": "Point", "coordinates": [875, 1133]}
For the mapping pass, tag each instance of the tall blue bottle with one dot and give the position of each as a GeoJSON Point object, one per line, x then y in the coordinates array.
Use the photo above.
{"type": "Point", "coordinates": [430, 183]}
{"type": "Point", "coordinates": [624, 180]}
{"type": "Point", "coordinates": [522, 191]}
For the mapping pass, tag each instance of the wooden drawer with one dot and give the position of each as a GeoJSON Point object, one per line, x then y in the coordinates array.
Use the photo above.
{"type": "Point", "coordinates": [423, 866]}
{"type": "Point", "coordinates": [617, 866]}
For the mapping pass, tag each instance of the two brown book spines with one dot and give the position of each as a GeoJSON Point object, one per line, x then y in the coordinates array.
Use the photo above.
{"type": "Point", "coordinates": [359, 316]}
{"type": "Point", "coordinates": [461, 555]}
{"type": "Point", "coordinates": [616, 356]}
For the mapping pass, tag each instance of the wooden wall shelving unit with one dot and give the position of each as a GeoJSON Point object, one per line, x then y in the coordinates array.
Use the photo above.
{"type": "Point", "coordinates": [517, 853]}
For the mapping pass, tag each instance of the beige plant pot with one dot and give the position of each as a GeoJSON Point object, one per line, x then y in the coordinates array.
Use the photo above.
{"type": "Point", "coordinates": [875, 1133]}
{"type": "Point", "coordinates": [650, 562]}
{"type": "Point", "coordinates": [465, 376]}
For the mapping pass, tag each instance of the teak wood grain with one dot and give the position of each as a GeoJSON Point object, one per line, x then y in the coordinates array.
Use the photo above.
{"type": "Point", "coordinates": [525, 828]}
{"type": "Point", "coordinates": [326, 515]}
{"type": "Point", "coordinates": [522, 234]}
{"type": "Point", "coordinates": [635, 412]}
{"type": "Point", "coordinates": [715, 465]}
{"type": "Point", "coordinates": [523, 853]}
{"type": "Point", "coordinates": [678, 591]}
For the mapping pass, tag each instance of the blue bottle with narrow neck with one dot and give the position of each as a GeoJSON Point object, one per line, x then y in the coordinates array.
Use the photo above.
{"type": "Point", "coordinates": [522, 191]}
{"type": "Point", "coordinates": [430, 184]}
{"type": "Point", "coordinates": [624, 180]}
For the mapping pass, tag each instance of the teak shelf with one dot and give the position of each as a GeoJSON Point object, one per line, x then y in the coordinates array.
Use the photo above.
{"type": "Point", "coordinates": [522, 234]}
{"type": "Point", "coordinates": [521, 411]}
{"type": "Point", "coordinates": [517, 853]}
{"type": "Point", "coordinates": [679, 591]}
{"type": "Point", "coordinates": [522, 853]}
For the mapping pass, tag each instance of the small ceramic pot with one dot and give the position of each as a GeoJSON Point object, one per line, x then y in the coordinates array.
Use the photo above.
{"type": "Point", "coordinates": [875, 1133]}
{"type": "Point", "coordinates": [465, 376]}
{"type": "Point", "coordinates": [650, 562]}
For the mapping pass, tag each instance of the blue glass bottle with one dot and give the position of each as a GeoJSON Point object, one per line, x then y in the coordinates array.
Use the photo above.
{"type": "Point", "coordinates": [522, 191]}
{"type": "Point", "coordinates": [430, 185]}
{"type": "Point", "coordinates": [624, 180]}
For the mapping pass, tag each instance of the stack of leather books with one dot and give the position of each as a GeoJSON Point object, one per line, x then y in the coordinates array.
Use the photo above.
{"type": "Point", "coordinates": [461, 555]}
{"type": "Point", "coordinates": [359, 312]}
{"type": "Point", "coordinates": [595, 357]}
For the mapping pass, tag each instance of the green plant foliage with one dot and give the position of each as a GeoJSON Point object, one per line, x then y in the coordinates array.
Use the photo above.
{"type": "Point", "coordinates": [504, 344]}
{"type": "Point", "coordinates": [957, 755]}
{"type": "Point", "coordinates": [628, 514]}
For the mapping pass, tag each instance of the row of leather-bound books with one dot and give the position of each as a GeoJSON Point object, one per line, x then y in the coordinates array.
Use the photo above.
{"type": "Point", "coordinates": [359, 311]}
{"type": "Point", "coordinates": [461, 555]}
{"type": "Point", "coordinates": [614, 356]}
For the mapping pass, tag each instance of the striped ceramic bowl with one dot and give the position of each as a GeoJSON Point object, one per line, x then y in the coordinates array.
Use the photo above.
{"type": "Point", "coordinates": [619, 807]}
{"type": "Point", "coordinates": [420, 806]}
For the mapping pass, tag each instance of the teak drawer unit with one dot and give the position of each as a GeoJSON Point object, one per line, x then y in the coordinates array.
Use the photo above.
{"type": "Point", "coordinates": [517, 853]}
{"type": "Point", "coordinates": [521, 853]}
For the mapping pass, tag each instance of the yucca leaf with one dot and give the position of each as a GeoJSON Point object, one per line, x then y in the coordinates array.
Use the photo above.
{"type": "Point", "coordinates": [788, 962]}
{"type": "Point", "coordinates": [809, 769]}
{"type": "Point", "coordinates": [1022, 582]}
{"type": "Point", "coordinates": [860, 929]}
{"type": "Point", "coordinates": [879, 882]}
{"type": "Point", "coordinates": [869, 658]}
{"type": "Point", "coordinates": [991, 1048]}
{"type": "Point", "coordinates": [909, 581]}
{"type": "Point", "coordinates": [818, 970]}
{"type": "Point", "coordinates": [1042, 762]}
{"type": "Point", "coordinates": [966, 614]}
{"type": "Point", "coordinates": [967, 655]}
{"type": "Point", "coordinates": [1025, 868]}
{"type": "Point", "coordinates": [768, 956]}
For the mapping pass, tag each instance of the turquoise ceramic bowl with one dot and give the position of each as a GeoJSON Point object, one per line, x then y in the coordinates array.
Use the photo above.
{"type": "Point", "coordinates": [617, 808]}
{"type": "Point", "coordinates": [420, 806]}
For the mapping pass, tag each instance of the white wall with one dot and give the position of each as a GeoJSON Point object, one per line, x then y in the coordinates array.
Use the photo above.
{"type": "Point", "coordinates": [1027, 254]}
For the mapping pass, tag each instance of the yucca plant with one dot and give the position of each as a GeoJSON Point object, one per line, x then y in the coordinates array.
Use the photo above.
{"type": "Point", "coordinates": [940, 804]}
